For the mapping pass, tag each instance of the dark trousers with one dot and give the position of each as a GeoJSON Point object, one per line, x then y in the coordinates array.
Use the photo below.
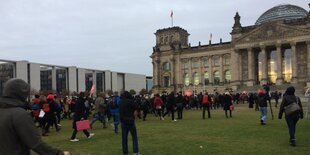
{"type": "Point", "coordinates": [126, 128]}
{"type": "Point", "coordinates": [180, 112]}
{"type": "Point", "coordinates": [169, 110]}
{"type": "Point", "coordinates": [204, 111]}
{"type": "Point", "coordinates": [145, 111]}
{"type": "Point", "coordinates": [75, 132]}
{"type": "Point", "coordinates": [227, 114]}
{"type": "Point", "coordinates": [291, 123]}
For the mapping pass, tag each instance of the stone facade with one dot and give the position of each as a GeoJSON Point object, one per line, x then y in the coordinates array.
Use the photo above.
{"type": "Point", "coordinates": [274, 52]}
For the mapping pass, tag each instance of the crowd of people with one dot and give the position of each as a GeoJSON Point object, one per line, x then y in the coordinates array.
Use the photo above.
{"type": "Point", "coordinates": [48, 110]}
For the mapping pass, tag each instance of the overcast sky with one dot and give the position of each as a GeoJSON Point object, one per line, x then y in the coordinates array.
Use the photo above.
{"type": "Point", "coordinates": [115, 35]}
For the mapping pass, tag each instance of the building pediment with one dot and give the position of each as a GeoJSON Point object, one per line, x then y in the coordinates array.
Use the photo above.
{"type": "Point", "coordinates": [272, 31]}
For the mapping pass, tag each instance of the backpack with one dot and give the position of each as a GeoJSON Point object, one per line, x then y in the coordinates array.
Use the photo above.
{"type": "Point", "coordinates": [46, 107]}
{"type": "Point", "coordinates": [112, 103]}
{"type": "Point", "coordinates": [34, 106]}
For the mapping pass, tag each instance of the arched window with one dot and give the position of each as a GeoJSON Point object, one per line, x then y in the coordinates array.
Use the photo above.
{"type": "Point", "coordinates": [196, 78]}
{"type": "Point", "coordinates": [206, 77]}
{"type": "Point", "coordinates": [227, 76]}
{"type": "Point", "coordinates": [216, 77]}
{"type": "Point", "coordinates": [186, 79]}
{"type": "Point", "coordinates": [166, 66]}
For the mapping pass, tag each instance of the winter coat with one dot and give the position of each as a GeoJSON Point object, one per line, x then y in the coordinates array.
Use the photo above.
{"type": "Point", "coordinates": [262, 100]}
{"type": "Point", "coordinates": [80, 109]}
{"type": "Point", "coordinates": [127, 108]}
{"type": "Point", "coordinates": [206, 100]}
{"type": "Point", "coordinates": [288, 99]}
{"type": "Point", "coordinates": [158, 102]}
{"type": "Point", "coordinates": [100, 105]}
{"type": "Point", "coordinates": [227, 102]}
{"type": "Point", "coordinates": [17, 130]}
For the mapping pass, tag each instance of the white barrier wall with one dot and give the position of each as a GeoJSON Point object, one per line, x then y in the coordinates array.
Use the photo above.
{"type": "Point", "coordinates": [135, 81]}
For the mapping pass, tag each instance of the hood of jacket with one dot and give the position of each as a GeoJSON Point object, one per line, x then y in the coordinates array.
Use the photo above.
{"type": "Point", "coordinates": [7, 102]}
{"type": "Point", "coordinates": [16, 89]}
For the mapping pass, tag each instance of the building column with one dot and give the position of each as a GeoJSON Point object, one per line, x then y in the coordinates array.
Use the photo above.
{"type": "Point", "coordinates": [210, 71]}
{"type": "Point", "coordinates": [264, 66]}
{"type": "Point", "coordinates": [21, 69]}
{"type": "Point", "coordinates": [279, 65]}
{"type": "Point", "coordinates": [221, 70]}
{"type": "Point", "coordinates": [250, 67]}
{"type": "Point", "coordinates": [235, 69]}
{"type": "Point", "coordinates": [308, 63]}
{"type": "Point", "coordinates": [54, 78]}
{"type": "Point", "coordinates": [294, 63]}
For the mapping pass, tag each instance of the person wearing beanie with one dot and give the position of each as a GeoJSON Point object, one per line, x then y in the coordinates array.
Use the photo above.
{"type": "Point", "coordinates": [262, 102]}
{"type": "Point", "coordinates": [291, 119]}
{"type": "Point", "coordinates": [18, 132]}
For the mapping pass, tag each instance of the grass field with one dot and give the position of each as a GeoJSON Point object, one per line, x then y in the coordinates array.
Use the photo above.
{"type": "Point", "coordinates": [241, 134]}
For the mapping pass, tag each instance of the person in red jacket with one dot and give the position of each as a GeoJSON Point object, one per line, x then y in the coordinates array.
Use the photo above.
{"type": "Point", "coordinates": [206, 103]}
{"type": "Point", "coordinates": [158, 104]}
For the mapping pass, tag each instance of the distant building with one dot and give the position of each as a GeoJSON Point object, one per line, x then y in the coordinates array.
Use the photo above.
{"type": "Point", "coordinates": [46, 77]}
{"type": "Point", "coordinates": [275, 51]}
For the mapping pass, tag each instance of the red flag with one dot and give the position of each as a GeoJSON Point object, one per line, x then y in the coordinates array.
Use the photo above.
{"type": "Point", "coordinates": [171, 14]}
{"type": "Point", "coordinates": [92, 90]}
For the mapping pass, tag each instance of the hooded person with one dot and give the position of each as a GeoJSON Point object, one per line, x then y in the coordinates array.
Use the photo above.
{"type": "Point", "coordinates": [18, 132]}
{"type": "Point", "coordinates": [292, 118]}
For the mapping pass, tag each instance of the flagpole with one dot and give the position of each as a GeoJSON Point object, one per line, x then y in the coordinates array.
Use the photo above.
{"type": "Point", "coordinates": [171, 16]}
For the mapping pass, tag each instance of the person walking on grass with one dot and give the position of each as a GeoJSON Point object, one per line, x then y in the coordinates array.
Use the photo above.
{"type": "Point", "coordinates": [158, 104]}
{"type": "Point", "coordinates": [100, 111]}
{"type": "Point", "coordinates": [170, 106]}
{"type": "Point", "coordinates": [18, 132]}
{"type": "Point", "coordinates": [206, 104]}
{"type": "Point", "coordinates": [128, 112]}
{"type": "Point", "coordinates": [291, 119]}
{"type": "Point", "coordinates": [227, 103]}
{"type": "Point", "coordinates": [79, 114]}
{"type": "Point", "coordinates": [262, 99]}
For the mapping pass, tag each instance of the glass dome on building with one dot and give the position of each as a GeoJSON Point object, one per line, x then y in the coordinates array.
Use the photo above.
{"type": "Point", "coordinates": [282, 12]}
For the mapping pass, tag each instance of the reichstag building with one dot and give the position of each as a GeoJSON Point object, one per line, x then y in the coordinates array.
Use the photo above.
{"type": "Point", "coordinates": [275, 51]}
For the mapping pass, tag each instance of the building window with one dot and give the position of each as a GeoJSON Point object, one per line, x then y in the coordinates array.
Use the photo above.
{"type": "Point", "coordinates": [196, 79]}
{"type": "Point", "coordinates": [166, 81]}
{"type": "Point", "coordinates": [227, 77]}
{"type": "Point", "coordinates": [287, 65]}
{"type": "Point", "coordinates": [226, 59]}
{"type": "Point", "coordinates": [216, 77]}
{"type": "Point", "coordinates": [216, 61]}
{"type": "Point", "coordinates": [272, 66]}
{"type": "Point", "coordinates": [171, 39]}
{"type": "Point", "coordinates": [161, 40]}
{"type": "Point", "coordinates": [166, 66]}
{"type": "Point", "coordinates": [166, 39]}
{"type": "Point", "coordinates": [186, 79]}
{"type": "Point", "coordinates": [206, 77]}
{"type": "Point", "coordinates": [185, 65]}
{"type": "Point", "coordinates": [206, 62]}
{"type": "Point", "coordinates": [195, 63]}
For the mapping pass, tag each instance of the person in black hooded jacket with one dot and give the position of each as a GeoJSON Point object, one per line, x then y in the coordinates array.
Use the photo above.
{"type": "Point", "coordinates": [292, 119]}
{"type": "Point", "coordinates": [17, 130]}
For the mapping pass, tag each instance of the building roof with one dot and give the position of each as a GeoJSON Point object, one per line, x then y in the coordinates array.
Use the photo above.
{"type": "Point", "coordinates": [282, 12]}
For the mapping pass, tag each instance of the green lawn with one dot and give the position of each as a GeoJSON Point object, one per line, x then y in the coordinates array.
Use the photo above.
{"type": "Point", "coordinates": [241, 134]}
